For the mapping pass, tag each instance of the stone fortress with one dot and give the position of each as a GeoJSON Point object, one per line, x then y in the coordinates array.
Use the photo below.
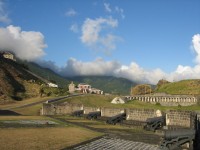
{"type": "Point", "coordinates": [184, 119]}
{"type": "Point", "coordinates": [164, 99]}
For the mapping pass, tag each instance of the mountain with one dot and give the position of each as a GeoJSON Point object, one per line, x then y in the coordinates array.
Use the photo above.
{"type": "Point", "coordinates": [15, 82]}
{"type": "Point", "coordinates": [181, 87]}
{"type": "Point", "coordinates": [108, 84]}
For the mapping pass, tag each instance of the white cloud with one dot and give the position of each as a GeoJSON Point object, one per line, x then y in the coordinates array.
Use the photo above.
{"type": "Point", "coordinates": [94, 36]}
{"type": "Point", "coordinates": [96, 67]}
{"type": "Point", "coordinates": [3, 13]}
{"type": "Point", "coordinates": [107, 7]}
{"type": "Point", "coordinates": [71, 13]}
{"type": "Point", "coordinates": [133, 71]}
{"type": "Point", "coordinates": [196, 46]}
{"type": "Point", "coordinates": [27, 45]}
{"type": "Point", "coordinates": [74, 28]}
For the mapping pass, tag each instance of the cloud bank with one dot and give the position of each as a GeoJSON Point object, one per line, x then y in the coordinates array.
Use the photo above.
{"type": "Point", "coordinates": [133, 71]}
{"type": "Point", "coordinates": [26, 45]}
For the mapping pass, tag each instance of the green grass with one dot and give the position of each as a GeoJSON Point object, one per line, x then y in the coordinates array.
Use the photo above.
{"type": "Point", "coordinates": [30, 111]}
{"type": "Point", "coordinates": [182, 87]}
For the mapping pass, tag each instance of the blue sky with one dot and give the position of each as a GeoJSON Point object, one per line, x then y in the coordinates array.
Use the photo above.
{"type": "Point", "coordinates": [140, 40]}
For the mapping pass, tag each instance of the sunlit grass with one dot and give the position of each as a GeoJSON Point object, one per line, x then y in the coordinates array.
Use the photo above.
{"type": "Point", "coordinates": [31, 110]}
{"type": "Point", "coordinates": [43, 138]}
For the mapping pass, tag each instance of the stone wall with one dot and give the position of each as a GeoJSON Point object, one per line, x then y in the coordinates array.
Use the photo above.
{"type": "Point", "coordinates": [87, 110]}
{"type": "Point", "coordinates": [174, 118]}
{"type": "Point", "coordinates": [60, 109]}
{"type": "Point", "coordinates": [142, 114]}
{"type": "Point", "coordinates": [166, 100]}
{"type": "Point", "coordinates": [185, 119]}
{"type": "Point", "coordinates": [110, 112]}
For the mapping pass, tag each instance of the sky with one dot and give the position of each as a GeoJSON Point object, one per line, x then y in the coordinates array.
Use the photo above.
{"type": "Point", "coordinates": [141, 40]}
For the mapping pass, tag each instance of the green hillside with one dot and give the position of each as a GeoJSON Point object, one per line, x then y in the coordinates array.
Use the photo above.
{"type": "Point", "coordinates": [181, 87]}
{"type": "Point", "coordinates": [108, 84]}
{"type": "Point", "coordinates": [47, 74]}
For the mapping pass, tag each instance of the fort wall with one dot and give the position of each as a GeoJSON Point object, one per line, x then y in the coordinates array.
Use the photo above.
{"type": "Point", "coordinates": [110, 112]}
{"type": "Point", "coordinates": [183, 119]}
{"type": "Point", "coordinates": [87, 110]}
{"type": "Point", "coordinates": [179, 118]}
{"type": "Point", "coordinates": [166, 100]}
{"type": "Point", "coordinates": [142, 114]}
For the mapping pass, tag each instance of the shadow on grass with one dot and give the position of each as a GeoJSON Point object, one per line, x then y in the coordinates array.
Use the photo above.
{"type": "Point", "coordinates": [8, 113]}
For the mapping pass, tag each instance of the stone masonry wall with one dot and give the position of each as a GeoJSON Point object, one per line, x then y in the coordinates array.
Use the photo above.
{"type": "Point", "coordinates": [60, 109]}
{"type": "Point", "coordinates": [110, 112]}
{"type": "Point", "coordinates": [87, 110]}
{"type": "Point", "coordinates": [174, 118]}
{"type": "Point", "coordinates": [142, 114]}
{"type": "Point", "coordinates": [178, 118]}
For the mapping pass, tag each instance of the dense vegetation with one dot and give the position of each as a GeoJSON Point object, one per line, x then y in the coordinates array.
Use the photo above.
{"type": "Point", "coordinates": [141, 89]}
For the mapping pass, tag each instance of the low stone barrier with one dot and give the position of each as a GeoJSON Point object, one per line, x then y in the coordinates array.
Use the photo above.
{"type": "Point", "coordinates": [110, 112]}
{"type": "Point", "coordinates": [177, 118]}
{"type": "Point", "coordinates": [142, 114]}
{"type": "Point", "coordinates": [87, 110]}
{"type": "Point", "coordinates": [174, 118]}
{"type": "Point", "coordinates": [60, 109]}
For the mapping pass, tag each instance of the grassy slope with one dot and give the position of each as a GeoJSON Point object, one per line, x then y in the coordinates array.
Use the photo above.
{"type": "Point", "coordinates": [14, 82]}
{"type": "Point", "coordinates": [181, 87]}
{"type": "Point", "coordinates": [46, 74]}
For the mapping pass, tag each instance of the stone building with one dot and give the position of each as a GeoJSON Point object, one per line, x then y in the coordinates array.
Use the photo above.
{"type": "Point", "coordinates": [7, 55]}
{"type": "Point", "coordinates": [71, 87]}
{"type": "Point", "coordinates": [84, 88]}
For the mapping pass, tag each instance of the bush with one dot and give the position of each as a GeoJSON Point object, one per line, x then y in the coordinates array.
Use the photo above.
{"type": "Point", "coordinates": [158, 104]}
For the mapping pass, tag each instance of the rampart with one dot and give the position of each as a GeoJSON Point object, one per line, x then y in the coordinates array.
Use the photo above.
{"type": "Point", "coordinates": [142, 114]}
{"type": "Point", "coordinates": [179, 118]}
{"type": "Point", "coordinates": [60, 109]}
{"type": "Point", "coordinates": [87, 110]}
{"type": "Point", "coordinates": [166, 100]}
{"type": "Point", "coordinates": [110, 112]}
{"type": "Point", "coordinates": [174, 118]}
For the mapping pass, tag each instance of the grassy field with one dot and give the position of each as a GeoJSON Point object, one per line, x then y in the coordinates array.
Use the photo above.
{"type": "Point", "coordinates": [19, 136]}
{"type": "Point", "coordinates": [31, 110]}
{"type": "Point", "coordinates": [43, 138]}
{"type": "Point", "coordinates": [105, 101]}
